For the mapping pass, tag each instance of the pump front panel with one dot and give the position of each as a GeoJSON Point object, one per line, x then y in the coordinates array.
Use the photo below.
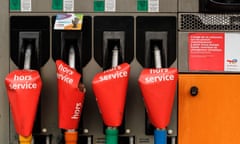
{"type": "Point", "coordinates": [208, 62]}
{"type": "Point", "coordinates": [208, 108]}
{"type": "Point", "coordinates": [4, 56]}
{"type": "Point", "coordinates": [198, 37]}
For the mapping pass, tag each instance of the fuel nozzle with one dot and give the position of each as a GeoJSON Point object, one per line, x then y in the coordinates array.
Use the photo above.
{"type": "Point", "coordinates": [71, 94]}
{"type": "Point", "coordinates": [71, 135]}
{"type": "Point", "coordinates": [111, 102]}
{"type": "Point", "coordinates": [25, 84]}
{"type": "Point", "coordinates": [158, 89]}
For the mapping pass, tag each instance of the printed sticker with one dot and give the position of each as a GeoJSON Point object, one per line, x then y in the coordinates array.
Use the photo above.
{"type": "Point", "coordinates": [206, 51]}
{"type": "Point", "coordinates": [110, 5]}
{"type": "Point", "coordinates": [153, 5]}
{"type": "Point", "coordinates": [26, 5]}
{"type": "Point", "coordinates": [68, 5]}
{"type": "Point", "coordinates": [214, 51]}
{"type": "Point", "coordinates": [68, 21]}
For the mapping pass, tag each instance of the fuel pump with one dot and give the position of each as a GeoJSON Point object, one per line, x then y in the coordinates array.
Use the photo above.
{"type": "Point", "coordinates": [113, 49]}
{"type": "Point", "coordinates": [208, 58]}
{"type": "Point", "coordinates": [23, 87]}
{"type": "Point", "coordinates": [29, 51]}
{"type": "Point", "coordinates": [69, 47]}
{"type": "Point", "coordinates": [156, 52]}
{"type": "Point", "coordinates": [111, 102]}
{"type": "Point", "coordinates": [158, 88]}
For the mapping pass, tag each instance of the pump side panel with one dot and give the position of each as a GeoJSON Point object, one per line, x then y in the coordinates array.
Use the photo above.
{"type": "Point", "coordinates": [212, 116]}
{"type": "Point", "coordinates": [4, 69]}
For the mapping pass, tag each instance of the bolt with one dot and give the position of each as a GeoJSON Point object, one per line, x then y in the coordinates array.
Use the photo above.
{"type": "Point", "coordinates": [170, 131]}
{"type": "Point", "coordinates": [128, 131]}
{"type": "Point", "coordinates": [44, 130]}
{"type": "Point", "coordinates": [85, 131]}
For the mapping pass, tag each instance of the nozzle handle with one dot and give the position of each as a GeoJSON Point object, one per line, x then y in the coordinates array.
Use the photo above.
{"type": "Point", "coordinates": [111, 135]}
{"type": "Point", "coordinates": [160, 136]}
{"type": "Point", "coordinates": [25, 139]}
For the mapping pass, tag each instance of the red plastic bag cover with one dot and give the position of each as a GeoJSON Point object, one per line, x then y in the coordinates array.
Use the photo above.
{"type": "Point", "coordinates": [158, 87]}
{"type": "Point", "coordinates": [70, 98]}
{"type": "Point", "coordinates": [110, 89]}
{"type": "Point", "coordinates": [23, 89]}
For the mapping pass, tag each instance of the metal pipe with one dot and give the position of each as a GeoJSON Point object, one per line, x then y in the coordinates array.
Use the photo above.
{"type": "Point", "coordinates": [48, 140]}
{"type": "Point", "coordinates": [27, 58]}
{"type": "Point", "coordinates": [115, 52]}
{"type": "Point", "coordinates": [89, 140]}
{"type": "Point", "coordinates": [173, 140]}
{"type": "Point", "coordinates": [157, 57]}
{"type": "Point", "coordinates": [71, 57]}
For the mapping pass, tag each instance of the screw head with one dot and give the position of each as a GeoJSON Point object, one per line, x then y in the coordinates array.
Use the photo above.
{"type": "Point", "coordinates": [44, 130]}
{"type": "Point", "coordinates": [128, 131]}
{"type": "Point", "coordinates": [85, 131]}
{"type": "Point", "coordinates": [170, 131]}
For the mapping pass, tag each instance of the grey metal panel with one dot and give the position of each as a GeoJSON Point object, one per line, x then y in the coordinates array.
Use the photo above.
{"type": "Point", "coordinates": [126, 5]}
{"type": "Point", "coordinates": [199, 22]}
{"type": "Point", "coordinates": [4, 61]}
{"type": "Point", "coordinates": [46, 6]}
{"type": "Point", "coordinates": [183, 51]}
{"type": "Point", "coordinates": [121, 6]}
{"type": "Point", "coordinates": [168, 5]}
{"type": "Point", "coordinates": [131, 5]}
{"type": "Point", "coordinates": [83, 5]}
{"type": "Point", "coordinates": [188, 6]}
{"type": "Point", "coordinates": [41, 5]}
{"type": "Point", "coordinates": [49, 100]}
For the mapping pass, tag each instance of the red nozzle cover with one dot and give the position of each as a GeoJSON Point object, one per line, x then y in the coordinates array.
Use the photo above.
{"type": "Point", "coordinates": [23, 89]}
{"type": "Point", "coordinates": [158, 87]}
{"type": "Point", "coordinates": [70, 98]}
{"type": "Point", "coordinates": [110, 89]}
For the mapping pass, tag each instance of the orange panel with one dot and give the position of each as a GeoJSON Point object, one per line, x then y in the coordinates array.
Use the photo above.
{"type": "Point", "coordinates": [213, 115]}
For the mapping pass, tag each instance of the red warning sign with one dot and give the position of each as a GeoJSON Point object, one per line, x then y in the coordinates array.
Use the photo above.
{"type": "Point", "coordinates": [206, 51]}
